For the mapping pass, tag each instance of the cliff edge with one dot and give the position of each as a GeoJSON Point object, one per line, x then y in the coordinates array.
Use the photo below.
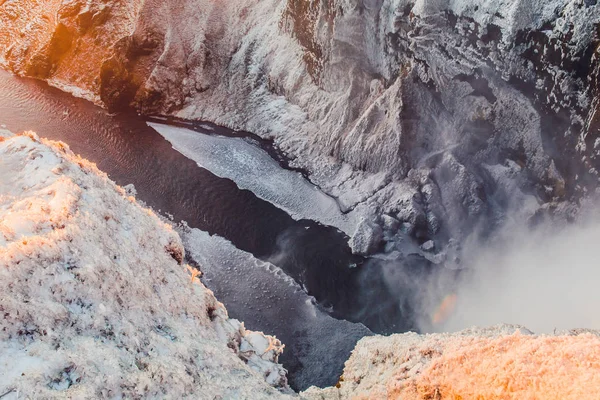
{"type": "Point", "coordinates": [96, 299]}
{"type": "Point", "coordinates": [502, 362]}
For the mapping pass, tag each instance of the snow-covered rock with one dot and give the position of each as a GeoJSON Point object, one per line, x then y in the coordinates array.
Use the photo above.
{"type": "Point", "coordinates": [503, 362]}
{"type": "Point", "coordinates": [367, 238]}
{"type": "Point", "coordinates": [96, 301]}
{"type": "Point", "coordinates": [395, 107]}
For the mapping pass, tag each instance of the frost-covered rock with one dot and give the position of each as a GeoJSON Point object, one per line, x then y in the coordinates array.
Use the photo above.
{"type": "Point", "coordinates": [96, 301]}
{"type": "Point", "coordinates": [503, 362]}
{"type": "Point", "coordinates": [395, 107]}
{"type": "Point", "coordinates": [366, 238]}
{"type": "Point", "coordinates": [428, 246]}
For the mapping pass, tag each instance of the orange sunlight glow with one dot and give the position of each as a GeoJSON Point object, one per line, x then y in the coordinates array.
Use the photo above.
{"type": "Point", "coordinates": [445, 309]}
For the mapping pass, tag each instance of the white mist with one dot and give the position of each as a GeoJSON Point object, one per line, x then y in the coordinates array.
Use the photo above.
{"type": "Point", "coordinates": [546, 279]}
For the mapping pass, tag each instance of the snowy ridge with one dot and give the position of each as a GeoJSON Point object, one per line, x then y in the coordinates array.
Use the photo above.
{"type": "Point", "coordinates": [96, 301]}
{"type": "Point", "coordinates": [502, 362]}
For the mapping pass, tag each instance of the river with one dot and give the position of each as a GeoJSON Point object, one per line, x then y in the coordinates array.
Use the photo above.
{"type": "Point", "coordinates": [247, 246]}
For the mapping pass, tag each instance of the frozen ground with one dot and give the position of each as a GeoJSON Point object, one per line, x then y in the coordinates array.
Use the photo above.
{"type": "Point", "coordinates": [96, 300]}
{"type": "Point", "coordinates": [253, 169]}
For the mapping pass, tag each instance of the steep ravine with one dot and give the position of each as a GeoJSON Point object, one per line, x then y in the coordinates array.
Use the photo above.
{"type": "Point", "coordinates": [238, 230]}
{"type": "Point", "coordinates": [97, 303]}
{"type": "Point", "coordinates": [434, 120]}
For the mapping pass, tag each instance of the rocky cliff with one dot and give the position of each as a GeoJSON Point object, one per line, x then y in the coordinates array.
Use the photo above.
{"type": "Point", "coordinates": [430, 117]}
{"type": "Point", "coordinates": [96, 301]}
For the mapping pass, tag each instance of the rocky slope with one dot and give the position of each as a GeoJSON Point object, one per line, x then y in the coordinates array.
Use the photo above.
{"type": "Point", "coordinates": [503, 362]}
{"type": "Point", "coordinates": [96, 301]}
{"type": "Point", "coordinates": [431, 117]}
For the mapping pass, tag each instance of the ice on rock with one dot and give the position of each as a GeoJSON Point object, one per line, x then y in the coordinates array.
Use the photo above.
{"type": "Point", "coordinates": [259, 351]}
{"type": "Point", "coordinates": [390, 223]}
{"type": "Point", "coordinates": [428, 245]}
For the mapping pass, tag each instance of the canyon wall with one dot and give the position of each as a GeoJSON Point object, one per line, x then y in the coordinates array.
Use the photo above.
{"type": "Point", "coordinates": [431, 118]}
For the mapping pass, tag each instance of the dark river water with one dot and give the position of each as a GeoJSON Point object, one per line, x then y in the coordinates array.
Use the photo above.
{"type": "Point", "coordinates": [131, 152]}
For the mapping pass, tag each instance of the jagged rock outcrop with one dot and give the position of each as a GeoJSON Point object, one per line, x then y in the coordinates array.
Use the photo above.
{"type": "Point", "coordinates": [64, 41]}
{"type": "Point", "coordinates": [438, 114]}
{"type": "Point", "coordinates": [96, 301]}
{"type": "Point", "coordinates": [503, 362]}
